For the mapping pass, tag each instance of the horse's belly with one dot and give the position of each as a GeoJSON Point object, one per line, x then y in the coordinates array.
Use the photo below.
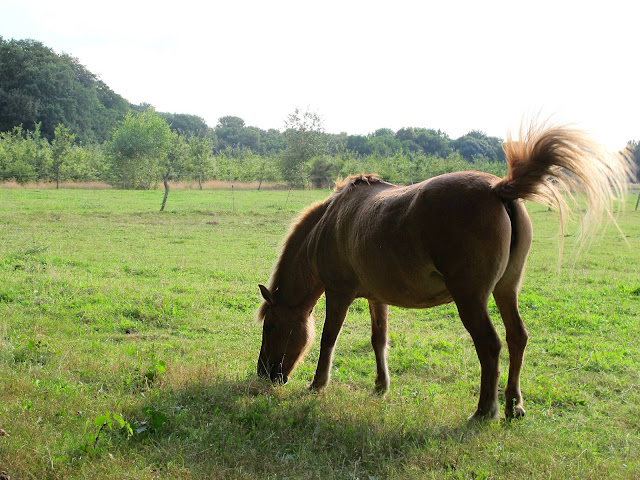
{"type": "Point", "coordinates": [410, 291]}
{"type": "Point", "coordinates": [411, 301]}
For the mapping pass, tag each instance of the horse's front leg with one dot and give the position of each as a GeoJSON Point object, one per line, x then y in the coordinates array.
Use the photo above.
{"type": "Point", "coordinates": [337, 306]}
{"type": "Point", "coordinates": [379, 325]}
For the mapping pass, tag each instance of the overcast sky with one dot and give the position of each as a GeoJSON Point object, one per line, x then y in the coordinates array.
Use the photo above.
{"type": "Point", "coordinates": [448, 64]}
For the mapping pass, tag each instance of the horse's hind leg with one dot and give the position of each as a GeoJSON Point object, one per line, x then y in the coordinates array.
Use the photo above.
{"type": "Point", "coordinates": [475, 317]}
{"type": "Point", "coordinates": [505, 294]}
{"type": "Point", "coordinates": [507, 302]}
{"type": "Point", "coordinates": [379, 323]}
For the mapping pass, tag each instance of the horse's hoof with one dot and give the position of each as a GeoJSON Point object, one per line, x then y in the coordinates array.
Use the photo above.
{"type": "Point", "coordinates": [517, 413]}
{"type": "Point", "coordinates": [314, 387]}
{"type": "Point", "coordinates": [381, 388]}
{"type": "Point", "coordinates": [479, 416]}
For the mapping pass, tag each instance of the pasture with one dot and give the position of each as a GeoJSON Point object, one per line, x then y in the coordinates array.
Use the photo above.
{"type": "Point", "coordinates": [128, 347]}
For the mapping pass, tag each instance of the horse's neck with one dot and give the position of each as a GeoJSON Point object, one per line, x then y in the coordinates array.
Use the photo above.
{"type": "Point", "coordinates": [296, 276]}
{"type": "Point", "coordinates": [299, 284]}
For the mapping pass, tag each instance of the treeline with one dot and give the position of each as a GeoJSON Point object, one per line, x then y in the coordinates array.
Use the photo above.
{"type": "Point", "coordinates": [59, 122]}
{"type": "Point", "coordinates": [144, 151]}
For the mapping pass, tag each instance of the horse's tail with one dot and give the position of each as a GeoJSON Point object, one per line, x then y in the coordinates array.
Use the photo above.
{"type": "Point", "coordinates": [547, 163]}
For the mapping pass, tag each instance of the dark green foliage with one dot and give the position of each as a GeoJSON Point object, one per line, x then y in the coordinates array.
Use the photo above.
{"type": "Point", "coordinates": [138, 151]}
{"type": "Point", "coordinates": [476, 144]}
{"type": "Point", "coordinates": [234, 136]}
{"type": "Point", "coordinates": [187, 125]}
{"type": "Point", "coordinates": [39, 86]}
{"type": "Point", "coordinates": [407, 140]}
{"type": "Point", "coordinates": [229, 132]}
{"type": "Point", "coordinates": [433, 142]}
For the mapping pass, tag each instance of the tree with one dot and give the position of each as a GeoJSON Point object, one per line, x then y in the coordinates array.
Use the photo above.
{"type": "Point", "coordinates": [186, 125]}
{"type": "Point", "coordinates": [322, 173]}
{"type": "Point", "coordinates": [140, 143]}
{"type": "Point", "coordinates": [199, 152]}
{"type": "Point", "coordinates": [359, 144]}
{"type": "Point", "coordinates": [230, 121]}
{"type": "Point", "coordinates": [249, 137]}
{"type": "Point", "coordinates": [13, 162]}
{"type": "Point", "coordinates": [406, 133]}
{"type": "Point", "coordinates": [266, 170]}
{"type": "Point", "coordinates": [24, 155]}
{"type": "Point", "coordinates": [228, 131]}
{"type": "Point", "coordinates": [384, 142]}
{"type": "Point", "coordinates": [272, 141]}
{"type": "Point", "coordinates": [383, 132]}
{"type": "Point", "coordinates": [478, 144]}
{"type": "Point", "coordinates": [433, 142]}
{"type": "Point", "coordinates": [471, 147]}
{"type": "Point", "coordinates": [60, 148]}
{"type": "Point", "coordinates": [39, 86]}
{"type": "Point", "coordinates": [173, 163]}
{"type": "Point", "coordinates": [37, 152]}
{"type": "Point", "coordinates": [305, 140]}
{"type": "Point", "coordinates": [86, 163]}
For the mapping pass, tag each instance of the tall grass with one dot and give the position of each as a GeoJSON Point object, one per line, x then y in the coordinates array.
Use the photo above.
{"type": "Point", "coordinates": [110, 310]}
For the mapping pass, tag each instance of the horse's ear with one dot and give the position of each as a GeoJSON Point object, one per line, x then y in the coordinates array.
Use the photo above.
{"type": "Point", "coordinates": [266, 294]}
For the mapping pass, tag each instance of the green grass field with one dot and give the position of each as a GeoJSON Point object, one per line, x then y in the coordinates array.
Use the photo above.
{"type": "Point", "coordinates": [128, 346]}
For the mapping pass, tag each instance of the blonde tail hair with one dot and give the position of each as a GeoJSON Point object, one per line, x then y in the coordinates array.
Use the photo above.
{"type": "Point", "coordinates": [549, 162]}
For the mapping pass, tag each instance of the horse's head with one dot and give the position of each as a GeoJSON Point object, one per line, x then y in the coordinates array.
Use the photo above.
{"type": "Point", "coordinates": [287, 333]}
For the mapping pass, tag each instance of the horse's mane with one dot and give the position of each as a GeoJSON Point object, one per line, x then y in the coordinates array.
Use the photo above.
{"type": "Point", "coordinates": [343, 185]}
{"type": "Point", "coordinates": [297, 234]}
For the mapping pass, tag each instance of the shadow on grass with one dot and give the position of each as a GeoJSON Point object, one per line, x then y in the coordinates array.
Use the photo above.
{"type": "Point", "coordinates": [249, 429]}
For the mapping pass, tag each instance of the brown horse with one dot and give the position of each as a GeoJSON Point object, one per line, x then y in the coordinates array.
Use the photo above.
{"type": "Point", "coordinates": [457, 237]}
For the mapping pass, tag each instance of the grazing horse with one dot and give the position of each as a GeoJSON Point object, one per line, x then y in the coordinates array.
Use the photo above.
{"type": "Point", "coordinates": [457, 237]}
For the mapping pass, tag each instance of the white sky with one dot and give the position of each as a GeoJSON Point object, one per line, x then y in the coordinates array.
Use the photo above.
{"type": "Point", "coordinates": [449, 64]}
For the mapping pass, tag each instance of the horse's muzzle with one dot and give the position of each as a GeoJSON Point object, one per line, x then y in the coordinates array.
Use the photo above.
{"type": "Point", "coordinates": [274, 372]}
